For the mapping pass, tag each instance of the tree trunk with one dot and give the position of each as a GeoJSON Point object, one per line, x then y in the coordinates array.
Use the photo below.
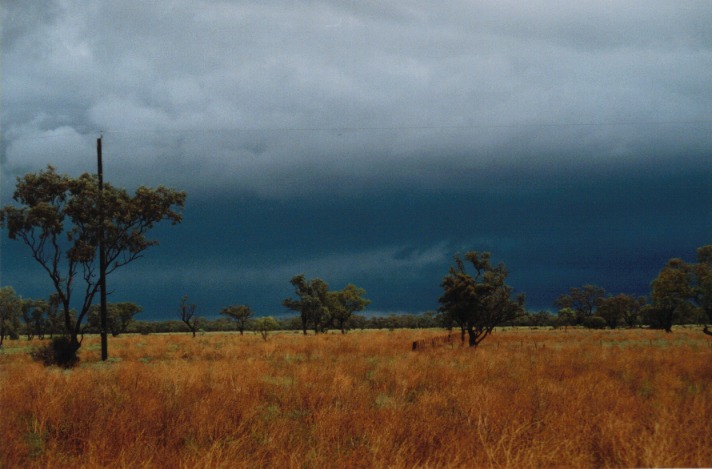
{"type": "Point", "coordinates": [473, 338]}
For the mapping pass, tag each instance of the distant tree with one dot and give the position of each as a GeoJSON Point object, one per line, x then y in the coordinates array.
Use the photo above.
{"type": "Point", "coordinates": [240, 314]}
{"type": "Point", "coordinates": [55, 320]}
{"type": "Point", "coordinates": [344, 303]}
{"type": "Point", "coordinates": [620, 309]}
{"type": "Point", "coordinates": [312, 303]}
{"type": "Point", "coordinates": [10, 311]}
{"type": "Point", "coordinates": [118, 317]}
{"type": "Point", "coordinates": [671, 291]}
{"type": "Point", "coordinates": [142, 327]}
{"type": "Point", "coordinates": [428, 319]}
{"type": "Point", "coordinates": [481, 302]}
{"type": "Point", "coordinates": [582, 301]}
{"type": "Point", "coordinates": [702, 283]}
{"type": "Point", "coordinates": [632, 315]}
{"type": "Point", "coordinates": [357, 321]}
{"type": "Point", "coordinates": [264, 325]}
{"type": "Point", "coordinates": [186, 313]}
{"type": "Point", "coordinates": [566, 317]}
{"type": "Point", "coordinates": [542, 318]}
{"type": "Point", "coordinates": [594, 322]}
{"type": "Point", "coordinates": [33, 313]}
{"type": "Point", "coordinates": [59, 220]}
{"type": "Point", "coordinates": [125, 314]}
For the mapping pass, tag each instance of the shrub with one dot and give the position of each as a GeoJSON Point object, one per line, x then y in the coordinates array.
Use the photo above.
{"type": "Point", "coordinates": [594, 322]}
{"type": "Point", "coordinates": [59, 351]}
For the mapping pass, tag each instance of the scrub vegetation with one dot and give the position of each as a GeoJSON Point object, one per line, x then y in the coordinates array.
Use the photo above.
{"type": "Point", "coordinates": [523, 398]}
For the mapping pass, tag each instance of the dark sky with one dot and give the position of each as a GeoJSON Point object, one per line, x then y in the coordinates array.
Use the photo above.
{"type": "Point", "coordinates": [369, 142]}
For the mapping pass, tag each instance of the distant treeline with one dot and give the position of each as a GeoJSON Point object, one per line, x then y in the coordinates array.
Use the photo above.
{"type": "Point", "coordinates": [425, 320]}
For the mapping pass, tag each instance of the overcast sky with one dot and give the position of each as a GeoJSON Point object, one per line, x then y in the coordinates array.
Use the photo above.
{"type": "Point", "coordinates": [370, 141]}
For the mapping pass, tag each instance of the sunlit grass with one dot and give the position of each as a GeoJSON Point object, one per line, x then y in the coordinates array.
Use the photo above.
{"type": "Point", "coordinates": [525, 398]}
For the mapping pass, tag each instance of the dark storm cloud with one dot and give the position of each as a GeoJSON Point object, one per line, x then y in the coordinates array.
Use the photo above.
{"type": "Point", "coordinates": [370, 141]}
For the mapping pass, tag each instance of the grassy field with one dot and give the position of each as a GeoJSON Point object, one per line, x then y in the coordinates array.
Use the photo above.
{"type": "Point", "coordinates": [574, 398]}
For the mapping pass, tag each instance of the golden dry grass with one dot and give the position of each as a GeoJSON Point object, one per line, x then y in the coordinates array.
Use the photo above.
{"type": "Point", "coordinates": [523, 399]}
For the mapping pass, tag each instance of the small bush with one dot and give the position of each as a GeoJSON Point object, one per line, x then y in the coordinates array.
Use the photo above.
{"type": "Point", "coordinates": [59, 351]}
{"type": "Point", "coordinates": [594, 322]}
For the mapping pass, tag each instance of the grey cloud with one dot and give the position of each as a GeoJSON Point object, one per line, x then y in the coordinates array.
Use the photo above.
{"type": "Point", "coordinates": [517, 118]}
{"type": "Point", "coordinates": [336, 268]}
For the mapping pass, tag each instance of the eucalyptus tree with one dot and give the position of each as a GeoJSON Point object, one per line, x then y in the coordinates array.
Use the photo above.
{"type": "Point", "coordinates": [583, 301]}
{"type": "Point", "coordinates": [478, 302]}
{"type": "Point", "coordinates": [241, 314]}
{"type": "Point", "coordinates": [33, 313]}
{"type": "Point", "coordinates": [683, 291]}
{"type": "Point", "coordinates": [702, 286]}
{"type": "Point", "coordinates": [55, 322]}
{"type": "Point", "coordinates": [671, 292]}
{"type": "Point", "coordinates": [312, 302]}
{"type": "Point", "coordinates": [10, 311]}
{"type": "Point", "coordinates": [60, 219]}
{"type": "Point", "coordinates": [119, 316]}
{"type": "Point", "coordinates": [620, 309]}
{"type": "Point", "coordinates": [264, 325]}
{"type": "Point", "coordinates": [344, 303]}
{"type": "Point", "coordinates": [186, 313]}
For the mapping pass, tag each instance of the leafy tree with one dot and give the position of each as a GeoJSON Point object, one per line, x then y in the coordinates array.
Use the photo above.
{"type": "Point", "coordinates": [542, 318]}
{"type": "Point", "coordinates": [594, 322]}
{"type": "Point", "coordinates": [312, 303]}
{"type": "Point", "coordinates": [671, 291]}
{"type": "Point", "coordinates": [10, 311]}
{"type": "Point", "coordinates": [702, 283]}
{"type": "Point", "coordinates": [264, 325]}
{"type": "Point", "coordinates": [55, 322]}
{"type": "Point", "coordinates": [481, 302]}
{"type": "Point", "coordinates": [118, 317]}
{"type": "Point", "coordinates": [357, 321]}
{"type": "Point", "coordinates": [582, 301]}
{"type": "Point", "coordinates": [619, 309]}
{"type": "Point", "coordinates": [344, 303]}
{"type": "Point", "coordinates": [186, 313]}
{"type": "Point", "coordinates": [33, 313]}
{"type": "Point", "coordinates": [240, 314]}
{"type": "Point", "coordinates": [59, 220]}
{"type": "Point", "coordinates": [566, 317]}
{"type": "Point", "coordinates": [633, 313]}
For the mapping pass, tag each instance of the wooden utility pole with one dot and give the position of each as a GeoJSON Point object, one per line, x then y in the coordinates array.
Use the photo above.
{"type": "Point", "coordinates": [102, 256]}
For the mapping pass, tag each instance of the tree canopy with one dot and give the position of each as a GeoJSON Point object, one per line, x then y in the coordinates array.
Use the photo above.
{"type": "Point", "coordinates": [10, 310]}
{"type": "Point", "coordinates": [119, 316]}
{"type": "Point", "coordinates": [582, 301]}
{"type": "Point", "coordinates": [311, 303]}
{"type": "Point", "coordinates": [59, 218]}
{"type": "Point", "coordinates": [478, 303]}
{"type": "Point", "coordinates": [240, 314]}
{"type": "Point", "coordinates": [682, 291]}
{"type": "Point", "coordinates": [320, 308]}
{"type": "Point", "coordinates": [186, 313]}
{"type": "Point", "coordinates": [344, 303]}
